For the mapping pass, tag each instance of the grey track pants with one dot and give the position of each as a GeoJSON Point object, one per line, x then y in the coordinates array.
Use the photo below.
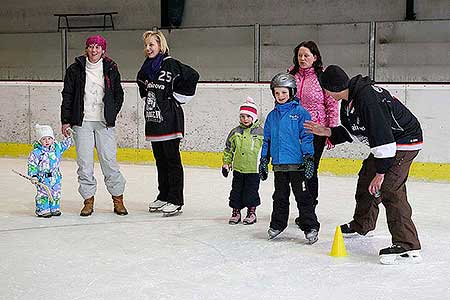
{"type": "Point", "coordinates": [95, 134]}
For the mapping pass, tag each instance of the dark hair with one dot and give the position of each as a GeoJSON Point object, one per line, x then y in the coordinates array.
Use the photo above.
{"type": "Point", "coordinates": [312, 46]}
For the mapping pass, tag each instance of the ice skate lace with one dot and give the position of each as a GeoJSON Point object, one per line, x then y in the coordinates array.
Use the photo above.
{"type": "Point", "coordinates": [250, 212]}
{"type": "Point", "coordinates": [394, 246]}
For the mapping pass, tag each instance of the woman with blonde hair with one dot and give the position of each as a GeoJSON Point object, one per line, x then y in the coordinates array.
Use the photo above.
{"type": "Point", "coordinates": [164, 85]}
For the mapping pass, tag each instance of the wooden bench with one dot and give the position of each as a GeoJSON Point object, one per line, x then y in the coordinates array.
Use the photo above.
{"type": "Point", "coordinates": [104, 14]}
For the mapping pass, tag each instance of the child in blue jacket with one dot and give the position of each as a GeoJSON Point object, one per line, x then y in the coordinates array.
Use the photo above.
{"type": "Point", "coordinates": [291, 148]}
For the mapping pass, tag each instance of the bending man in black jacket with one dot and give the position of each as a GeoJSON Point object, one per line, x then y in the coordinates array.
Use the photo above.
{"type": "Point", "coordinates": [371, 115]}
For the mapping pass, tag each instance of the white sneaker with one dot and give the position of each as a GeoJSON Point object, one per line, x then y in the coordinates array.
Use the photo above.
{"type": "Point", "coordinates": [156, 205]}
{"type": "Point", "coordinates": [170, 209]}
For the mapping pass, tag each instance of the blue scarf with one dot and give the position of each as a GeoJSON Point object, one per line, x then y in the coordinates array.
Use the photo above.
{"type": "Point", "coordinates": [151, 66]}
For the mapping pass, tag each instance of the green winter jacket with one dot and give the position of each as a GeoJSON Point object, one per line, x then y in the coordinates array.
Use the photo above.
{"type": "Point", "coordinates": [243, 147]}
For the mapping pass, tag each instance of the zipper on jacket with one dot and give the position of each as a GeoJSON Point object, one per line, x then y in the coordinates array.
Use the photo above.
{"type": "Point", "coordinates": [301, 87]}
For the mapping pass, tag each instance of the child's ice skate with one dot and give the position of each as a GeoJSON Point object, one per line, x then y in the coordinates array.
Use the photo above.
{"type": "Point", "coordinates": [235, 217]}
{"type": "Point", "coordinates": [156, 206]}
{"type": "Point", "coordinates": [44, 215]}
{"type": "Point", "coordinates": [395, 255]}
{"type": "Point", "coordinates": [273, 233]}
{"type": "Point", "coordinates": [170, 210]}
{"type": "Point", "coordinates": [56, 213]}
{"type": "Point", "coordinates": [312, 236]}
{"type": "Point", "coordinates": [251, 216]}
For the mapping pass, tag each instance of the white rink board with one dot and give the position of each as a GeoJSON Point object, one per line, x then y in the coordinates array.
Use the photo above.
{"type": "Point", "coordinates": [211, 115]}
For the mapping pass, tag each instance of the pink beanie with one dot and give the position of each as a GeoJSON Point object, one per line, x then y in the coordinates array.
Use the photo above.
{"type": "Point", "coordinates": [96, 39]}
{"type": "Point", "coordinates": [249, 108]}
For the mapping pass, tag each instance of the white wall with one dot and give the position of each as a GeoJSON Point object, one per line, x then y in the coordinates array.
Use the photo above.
{"type": "Point", "coordinates": [210, 116]}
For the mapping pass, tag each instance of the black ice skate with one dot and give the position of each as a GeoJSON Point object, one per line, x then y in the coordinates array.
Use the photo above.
{"type": "Point", "coordinates": [170, 210]}
{"type": "Point", "coordinates": [395, 255]}
{"type": "Point", "coordinates": [347, 231]}
{"type": "Point", "coordinates": [297, 221]}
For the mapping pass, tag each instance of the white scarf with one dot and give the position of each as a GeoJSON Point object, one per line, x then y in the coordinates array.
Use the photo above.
{"type": "Point", "coordinates": [94, 90]}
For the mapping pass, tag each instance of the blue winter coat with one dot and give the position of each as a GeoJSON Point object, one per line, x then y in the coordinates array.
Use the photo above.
{"type": "Point", "coordinates": [285, 138]}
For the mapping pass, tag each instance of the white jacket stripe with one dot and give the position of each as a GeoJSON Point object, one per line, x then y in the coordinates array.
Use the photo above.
{"type": "Point", "coordinates": [183, 99]}
{"type": "Point", "coordinates": [384, 151]}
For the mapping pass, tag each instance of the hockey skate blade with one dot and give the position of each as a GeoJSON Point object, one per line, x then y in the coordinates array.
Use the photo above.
{"type": "Point", "coordinates": [274, 235]}
{"type": "Point", "coordinates": [356, 235]}
{"type": "Point", "coordinates": [312, 241]}
{"type": "Point", "coordinates": [172, 214]}
{"type": "Point", "coordinates": [155, 210]}
{"type": "Point", "coordinates": [409, 257]}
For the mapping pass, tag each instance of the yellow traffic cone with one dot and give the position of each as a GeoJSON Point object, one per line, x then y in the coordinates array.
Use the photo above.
{"type": "Point", "coordinates": [338, 249]}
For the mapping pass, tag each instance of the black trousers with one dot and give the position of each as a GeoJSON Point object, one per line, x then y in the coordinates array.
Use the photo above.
{"type": "Point", "coordinates": [305, 202]}
{"type": "Point", "coordinates": [313, 183]}
{"type": "Point", "coordinates": [170, 171]}
{"type": "Point", "coordinates": [244, 190]}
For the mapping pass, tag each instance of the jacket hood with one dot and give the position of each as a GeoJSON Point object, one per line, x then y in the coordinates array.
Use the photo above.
{"type": "Point", "coordinates": [357, 84]}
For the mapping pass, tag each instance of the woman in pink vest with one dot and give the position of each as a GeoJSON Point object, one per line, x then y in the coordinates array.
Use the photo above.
{"type": "Point", "coordinates": [322, 108]}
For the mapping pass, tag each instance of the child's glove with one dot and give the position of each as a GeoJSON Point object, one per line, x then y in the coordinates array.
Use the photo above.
{"type": "Point", "coordinates": [263, 168]}
{"type": "Point", "coordinates": [308, 166]}
{"type": "Point", "coordinates": [225, 170]}
{"type": "Point", "coordinates": [34, 180]}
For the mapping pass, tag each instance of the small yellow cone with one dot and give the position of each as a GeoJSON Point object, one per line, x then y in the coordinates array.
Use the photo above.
{"type": "Point", "coordinates": [338, 249]}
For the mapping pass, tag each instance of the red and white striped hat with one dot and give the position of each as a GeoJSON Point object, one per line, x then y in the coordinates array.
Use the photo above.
{"type": "Point", "coordinates": [249, 108]}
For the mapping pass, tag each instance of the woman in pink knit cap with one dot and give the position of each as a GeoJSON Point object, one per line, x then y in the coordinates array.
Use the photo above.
{"type": "Point", "coordinates": [322, 108]}
{"type": "Point", "coordinates": [91, 100]}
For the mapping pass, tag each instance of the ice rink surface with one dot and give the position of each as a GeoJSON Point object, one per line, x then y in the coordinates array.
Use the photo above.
{"type": "Point", "coordinates": [197, 255]}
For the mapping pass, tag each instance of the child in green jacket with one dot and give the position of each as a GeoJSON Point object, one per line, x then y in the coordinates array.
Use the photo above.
{"type": "Point", "coordinates": [241, 154]}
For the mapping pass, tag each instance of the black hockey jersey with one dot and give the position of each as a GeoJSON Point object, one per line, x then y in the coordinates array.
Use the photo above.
{"type": "Point", "coordinates": [175, 84]}
{"type": "Point", "coordinates": [379, 120]}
